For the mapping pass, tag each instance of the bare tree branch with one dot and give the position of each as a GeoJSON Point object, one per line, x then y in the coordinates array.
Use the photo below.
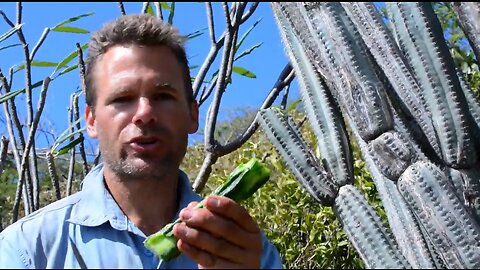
{"type": "Point", "coordinates": [3, 152]}
{"type": "Point", "coordinates": [285, 78]}
{"type": "Point", "coordinates": [31, 137]}
{"type": "Point", "coordinates": [211, 25]}
{"type": "Point", "coordinates": [39, 43]}
{"type": "Point", "coordinates": [158, 10]}
{"type": "Point", "coordinates": [122, 8]}
{"type": "Point", "coordinates": [81, 65]}
{"type": "Point", "coordinates": [209, 141]}
{"type": "Point", "coordinates": [145, 7]}
{"type": "Point", "coordinates": [71, 165]}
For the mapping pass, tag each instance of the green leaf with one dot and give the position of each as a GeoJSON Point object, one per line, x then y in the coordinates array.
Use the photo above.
{"type": "Point", "coordinates": [248, 51]}
{"type": "Point", "coordinates": [243, 72]}
{"type": "Point", "coordinates": [74, 19]}
{"type": "Point", "coordinates": [293, 105]}
{"type": "Point", "coordinates": [9, 46]}
{"type": "Point", "coordinates": [69, 146]}
{"type": "Point", "coordinates": [172, 13]}
{"type": "Point", "coordinates": [150, 9]}
{"type": "Point", "coordinates": [196, 33]}
{"type": "Point", "coordinates": [70, 29]}
{"type": "Point", "coordinates": [65, 135]}
{"type": "Point", "coordinates": [69, 58]}
{"type": "Point", "coordinates": [164, 5]}
{"type": "Point", "coordinates": [43, 64]}
{"type": "Point", "coordinates": [36, 64]}
{"type": "Point", "coordinates": [68, 69]}
{"type": "Point", "coordinates": [246, 35]}
{"type": "Point", "coordinates": [10, 32]}
{"type": "Point", "coordinates": [17, 92]}
{"type": "Point", "coordinates": [193, 67]}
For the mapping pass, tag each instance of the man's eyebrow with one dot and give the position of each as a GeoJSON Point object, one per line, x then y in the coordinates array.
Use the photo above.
{"type": "Point", "coordinates": [165, 86]}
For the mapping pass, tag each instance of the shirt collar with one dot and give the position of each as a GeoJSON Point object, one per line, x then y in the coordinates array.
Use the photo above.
{"type": "Point", "coordinates": [97, 206]}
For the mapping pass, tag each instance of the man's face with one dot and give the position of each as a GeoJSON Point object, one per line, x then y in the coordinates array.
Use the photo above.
{"type": "Point", "coordinates": [142, 116]}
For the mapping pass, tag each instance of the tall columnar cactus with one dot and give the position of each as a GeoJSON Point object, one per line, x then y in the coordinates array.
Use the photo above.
{"type": "Point", "coordinates": [415, 119]}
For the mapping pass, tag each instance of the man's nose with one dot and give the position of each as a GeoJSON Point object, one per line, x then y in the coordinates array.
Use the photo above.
{"type": "Point", "coordinates": [145, 112]}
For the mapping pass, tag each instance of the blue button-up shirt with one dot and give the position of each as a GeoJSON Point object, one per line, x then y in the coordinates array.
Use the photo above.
{"type": "Point", "coordinates": [95, 224]}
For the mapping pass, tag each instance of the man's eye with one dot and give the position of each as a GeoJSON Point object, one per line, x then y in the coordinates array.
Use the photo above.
{"type": "Point", "coordinates": [120, 99]}
{"type": "Point", "coordinates": [164, 96]}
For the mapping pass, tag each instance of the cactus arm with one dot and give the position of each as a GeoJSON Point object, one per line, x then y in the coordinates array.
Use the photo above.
{"type": "Point", "coordinates": [366, 231]}
{"type": "Point", "coordinates": [390, 59]}
{"type": "Point", "coordinates": [452, 229]}
{"type": "Point", "coordinates": [294, 151]}
{"type": "Point", "coordinates": [321, 110]}
{"type": "Point", "coordinates": [426, 51]}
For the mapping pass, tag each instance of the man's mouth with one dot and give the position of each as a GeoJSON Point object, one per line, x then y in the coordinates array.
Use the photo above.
{"type": "Point", "coordinates": [144, 144]}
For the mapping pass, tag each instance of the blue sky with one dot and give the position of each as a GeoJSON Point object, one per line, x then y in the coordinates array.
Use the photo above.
{"type": "Point", "coordinates": [266, 62]}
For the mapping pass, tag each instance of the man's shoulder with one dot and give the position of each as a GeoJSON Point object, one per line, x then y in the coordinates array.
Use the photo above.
{"type": "Point", "coordinates": [50, 217]}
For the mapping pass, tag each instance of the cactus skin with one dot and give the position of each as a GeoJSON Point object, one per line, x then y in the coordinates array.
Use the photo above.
{"type": "Point", "coordinates": [427, 53]}
{"type": "Point", "coordinates": [321, 110]}
{"type": "Point", "coordinates": [404, 102]}
{"type": "Point", "coordinates": [292, 148]}
{"type": "Point", "coordinates": [366, 230]}
{"type": "Point", "coordinates": [453, 230]}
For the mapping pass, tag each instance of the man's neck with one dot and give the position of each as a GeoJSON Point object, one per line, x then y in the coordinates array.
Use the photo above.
{"type": "Point", "coordinates": [149, 203]}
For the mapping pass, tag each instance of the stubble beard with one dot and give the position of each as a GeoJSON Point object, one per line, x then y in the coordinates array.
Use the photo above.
{"type": "Point", "coordinates": [128, 168]}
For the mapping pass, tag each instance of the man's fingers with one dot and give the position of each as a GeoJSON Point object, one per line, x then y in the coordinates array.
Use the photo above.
{"type": "Point", "coordinates": [205, 259]}
{"type": "Point", "coordinates": [232, 210]}
{"type": "Point", "coordinates": [208, 245]}
{"type": "Point", "coordinates": [221, 227]}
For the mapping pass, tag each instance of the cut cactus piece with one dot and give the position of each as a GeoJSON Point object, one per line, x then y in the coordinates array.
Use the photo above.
{"type": "Point", "coordinates": [242, 183]}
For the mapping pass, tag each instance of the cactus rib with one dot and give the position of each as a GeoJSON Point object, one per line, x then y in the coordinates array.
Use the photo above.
{"type": "Point", "coordinates": [321, 110]}
{"type": "Point", "coordinates": [454, 233]}
{"type": "Point", "coordinates": [294, 151]}
{"type": "Point", "coordinates": [365, 229]}
{"type": "Point", "coordinates": [392, 62]}
{"type": "Point", "coordinates": [435, 72]}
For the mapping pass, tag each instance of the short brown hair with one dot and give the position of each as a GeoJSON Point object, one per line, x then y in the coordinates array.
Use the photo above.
{"type": "Point", "coordinates": [139, 29]}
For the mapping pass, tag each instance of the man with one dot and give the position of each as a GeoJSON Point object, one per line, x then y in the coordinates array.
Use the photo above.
{"type": "Point", "coordinates": [141, 109]}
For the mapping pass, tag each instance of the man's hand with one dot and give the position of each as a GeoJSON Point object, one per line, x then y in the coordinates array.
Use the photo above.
{"type": "Point", "coordinates": [221, 235]}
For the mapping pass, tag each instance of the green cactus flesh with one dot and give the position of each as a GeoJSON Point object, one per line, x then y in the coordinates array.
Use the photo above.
{"type": "Point", "coordinates": [242, 182]}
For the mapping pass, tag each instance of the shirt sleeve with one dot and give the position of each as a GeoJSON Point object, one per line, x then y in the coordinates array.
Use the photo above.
{"type": "Point", "coordinates": [10, 257]}
{"type": "Point", "coordinates": [270, 257]}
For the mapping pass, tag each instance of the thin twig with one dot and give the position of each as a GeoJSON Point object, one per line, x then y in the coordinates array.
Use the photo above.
{"type": "Point", "coordinates": [226, 13]}
{"type": "Point", "coordinates": [3, 152]}
{"type": "Point", "coordinates": [285, 78]}
{"type": "Point", "coordinates": [76, 116]}
{"type": "Point", "coordinates": [81, 65]}
{"type": "Point", "coordinates": [39, 43]}
{"type": "Point", "coordinates": [211, 25]}
{"type": "Point", "coordinates": [283, 104]}
{"type": "Point", "coordinates": [212, 113]}
{"type": "Point", "coordinates": [145, 7]}
{"type": "Point", "coordinates": [71, 166]}
{"type": "Point", "coordinates": [31, 137]}
{"type": "Point", "coordinates": [158, 10]}
{"type": "Point", "coordinates": [122, 8]}
{"type": "Point", "coordinates": [19, 12]}
{"type": "Point", "coordinates": [12, 116]}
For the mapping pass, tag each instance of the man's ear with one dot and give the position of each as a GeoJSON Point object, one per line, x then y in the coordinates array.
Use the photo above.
{"type": "Point", "coordinates": [90, 119]}
{"type": "Point", "coordinates": [194, 117]}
